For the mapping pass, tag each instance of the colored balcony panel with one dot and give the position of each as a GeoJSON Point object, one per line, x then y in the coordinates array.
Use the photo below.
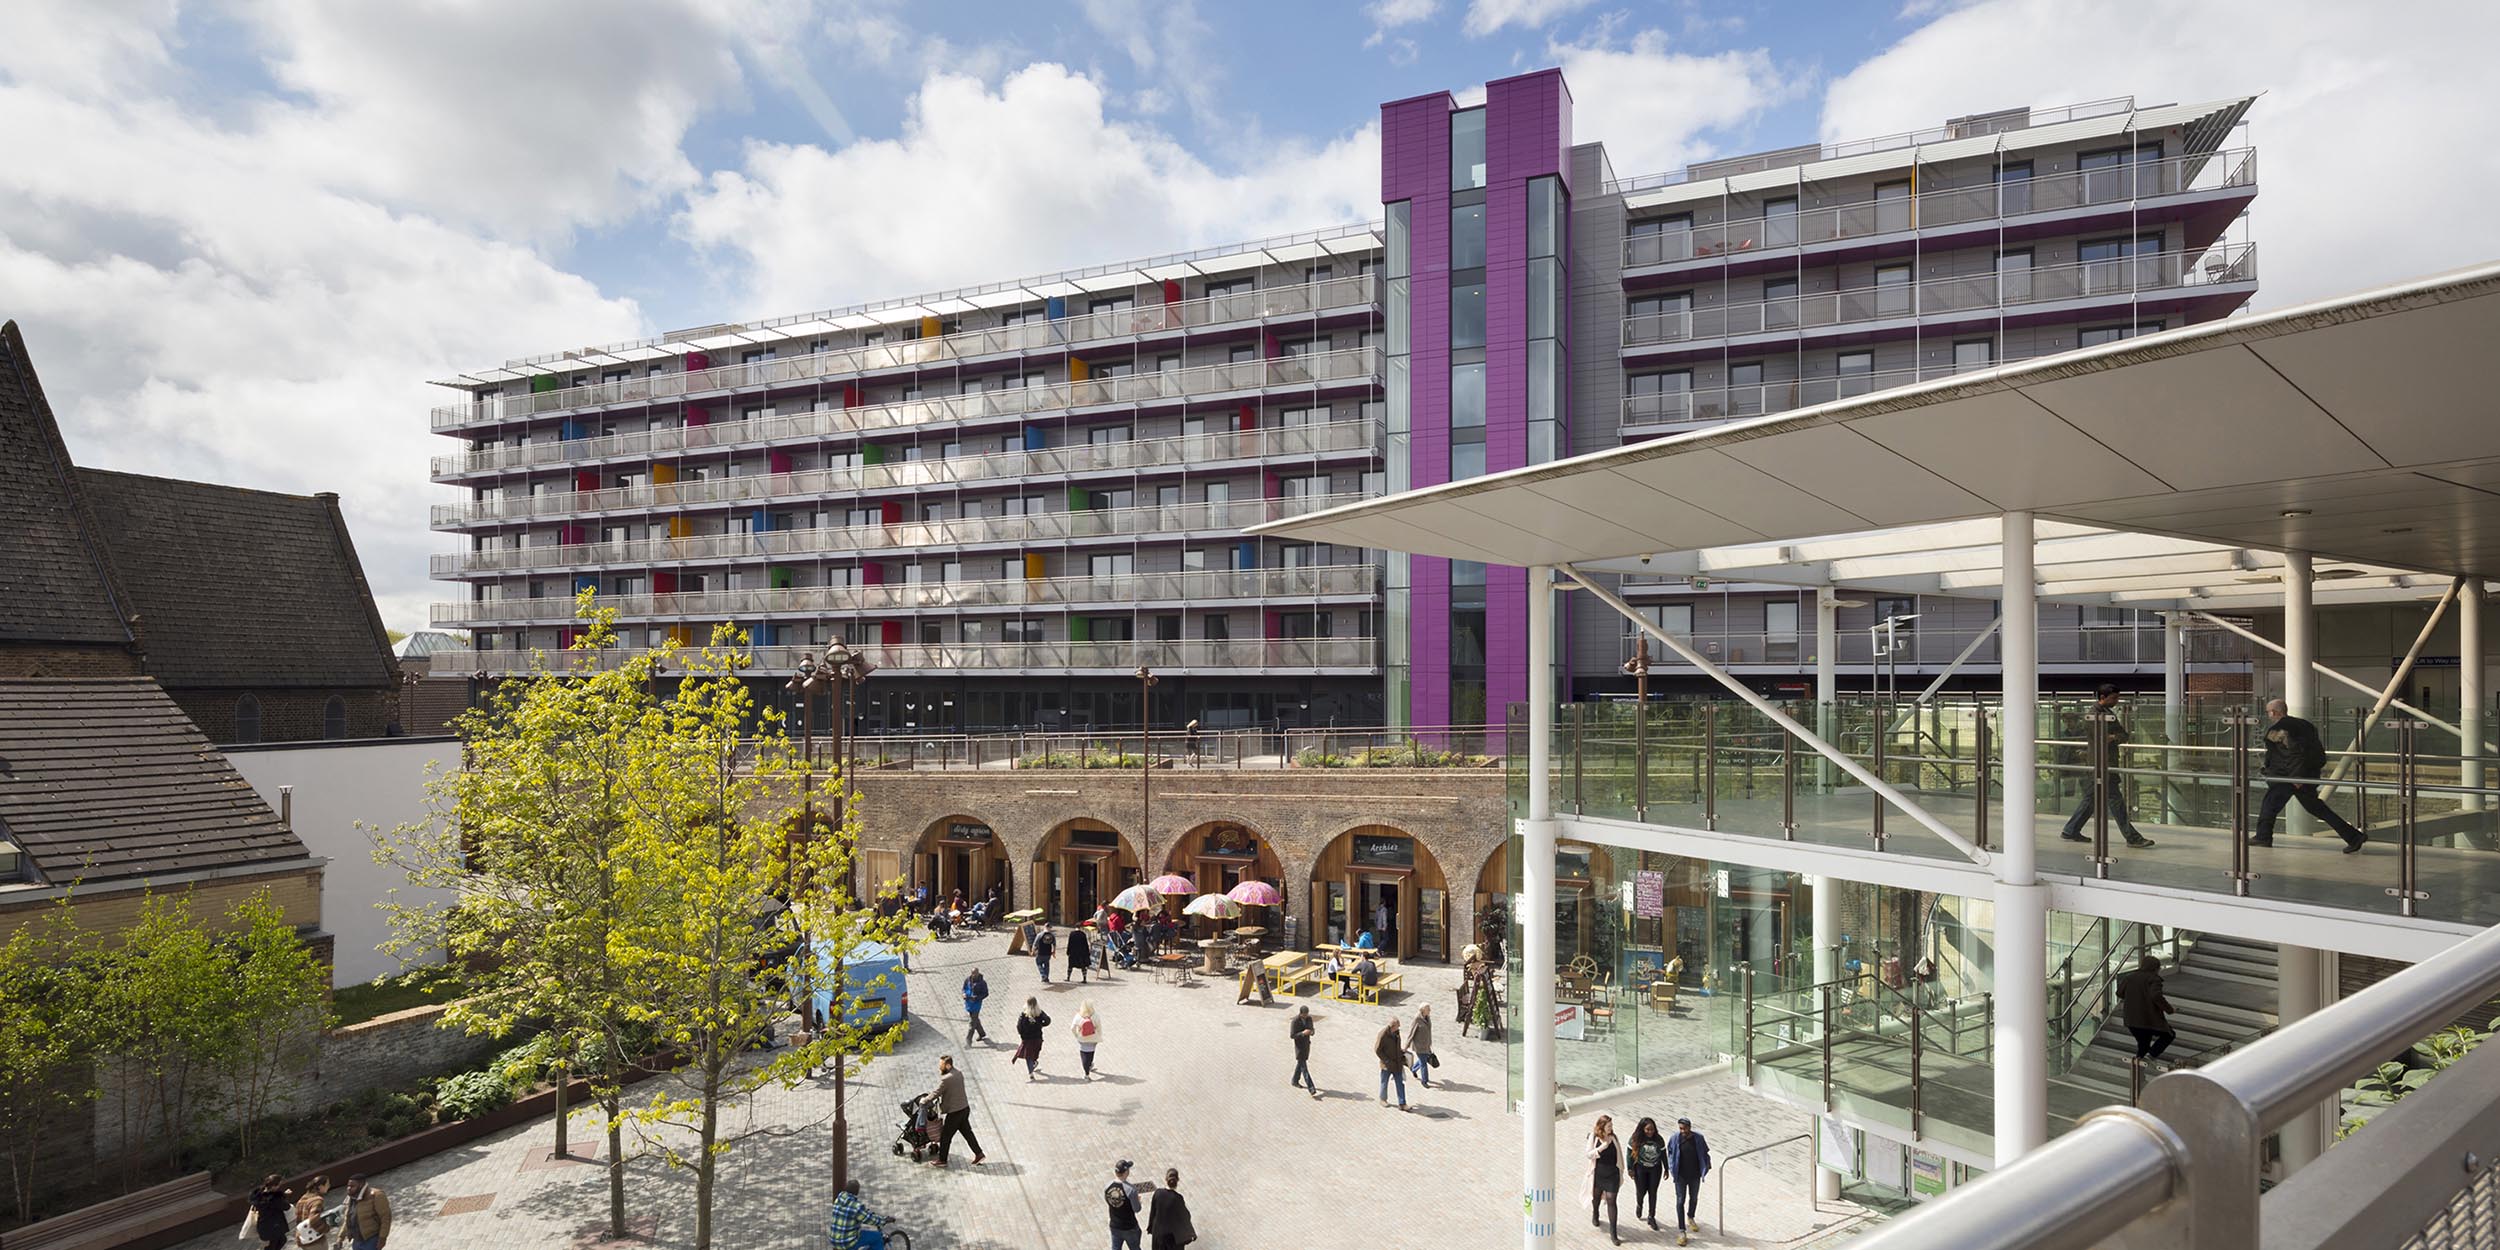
{"type": "Point", "coordinates": [1080, 629]}
{"type": "Point", "coordinates": [1078, 370]}
{"type": "Point", "coordinates": [777, 461]}
{"type": "Point", "coordinates": [697, 361]}
{"type": "Point", "coordinates": [680, 527]}
{"type": "Point", "coordinates": [663, 474]}
{"type": "Point", "coordinates": [663, 581]}
{"type": "Point", "coordinates": [890, 633]}
{"type": "Point", "coordinates": [544, 383]}
{"type": "Point", "coordinates": [779, 579]}
{"type": "Point", "coordinates": [1033, 562]}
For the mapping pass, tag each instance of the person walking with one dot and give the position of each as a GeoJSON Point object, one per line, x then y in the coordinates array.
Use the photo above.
{"type": "Point", "coordinates": [1029, 1028]}
{"type": "Point", "coordinates": [271, 1206]}
{"type": "Point", "coordinates": [1300, 1031]}
{"type": "Point", "coordinates": [1045, 944]}
{"type": "Point", "coordinates": [1648, 1156]}
{"type": "Point", "coordinates": [1167, 1217]}
{"type": "Point", "coordinates": [1605, 1156]}
{"type": "Point", "coordinates": [365, 1222]}
{"type": "Point", "coordinates": [1088, 1032]}
{"type": "Point", "coordinates": [976, 993]}
{"type": "Point", "coordinates": [1419, 1045]}
{"type": "Point", "coordinates": [311, 1228]}
{"type": "Point", "coordinates": [2144, 1010]}
{"type": "Point", "coordinates": [2294, 750]}
{"type": "Point", "coordinates": [1121, 1197]}
{"type": "Point", "coordinates": [1080, 955]}
{"type": "Point", "coordinates": [955, 1106]}
{"type": "Point", "coordinates": [1688, 1160]}
{"type": "Point", "coordinates": [1392, 1054]}
{"type": "Point", "coordinates": [2112, 788]}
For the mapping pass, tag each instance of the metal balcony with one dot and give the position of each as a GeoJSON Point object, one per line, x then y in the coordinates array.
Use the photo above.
{"type": "Point", "coordinates": [1169, 523]}
{"type": "Point", "coordinates": [1193, 451]}
{"type": "Point", "coordinates": [1036, 335]}
{"type": "Point", "coordinates": [2126, 278]}
{"type": "Point", "coordinates": [1934, 208]}
{"type": "Point", "coordinates": [1335, 581]}
{"type": "Point", "coordinates": [1341, 656]}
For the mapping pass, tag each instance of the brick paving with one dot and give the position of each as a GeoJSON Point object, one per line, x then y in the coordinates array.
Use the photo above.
{"type": "Point", "coordinates": [1185, 1079]}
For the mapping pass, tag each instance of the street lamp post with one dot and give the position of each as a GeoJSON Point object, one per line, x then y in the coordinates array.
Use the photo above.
{"type": "Point", "coordinates": [842, 669]}
{"type": "Point", "coordinates": [1146, 771]}
{"type": "Point", "coordinates": [1638, 667]}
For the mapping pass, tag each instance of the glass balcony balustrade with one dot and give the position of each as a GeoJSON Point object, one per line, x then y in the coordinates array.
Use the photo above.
{"type": "Point", "coordinates": [1935, 207]}
{"type": "Point", "coordinates": [1353, 581]}
{"type": "Point", "coordinates": [1330, 438]}
{"type": "Point", "coordinates": [1033, 335]}
{"type": "Point", "coordinates": [1355, 656]}
{"type": "Point", "coordinates": [2196, 788]}
{"type": "Point", "coordinates": [2154, 273]}
{"type": "Point", "coordinates": [1173, 522]}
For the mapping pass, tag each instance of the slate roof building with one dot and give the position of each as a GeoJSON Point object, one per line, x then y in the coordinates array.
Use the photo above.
{"type": "Point", "coordinates": [248, 607]}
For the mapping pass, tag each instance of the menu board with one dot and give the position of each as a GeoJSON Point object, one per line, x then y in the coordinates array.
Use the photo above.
{"type": "Point", "coordinates": [1649, 894]}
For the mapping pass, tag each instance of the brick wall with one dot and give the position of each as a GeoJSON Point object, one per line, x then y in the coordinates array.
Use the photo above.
{"type": "Point", "coordinates": [289, 714]}
{"type": "Point", "coordinates": [58, 660]}
{"type": "Point", "coordinates": [1460, 816]}
{"type": "Point", "coordinates": [108, 910]}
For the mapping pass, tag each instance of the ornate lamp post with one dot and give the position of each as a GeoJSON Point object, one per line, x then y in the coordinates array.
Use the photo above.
{"type": "Point", "coordinates": [842, 669]}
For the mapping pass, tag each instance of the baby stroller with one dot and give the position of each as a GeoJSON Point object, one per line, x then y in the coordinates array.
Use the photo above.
{"type": "Point", "coordinates": [918, 1133]}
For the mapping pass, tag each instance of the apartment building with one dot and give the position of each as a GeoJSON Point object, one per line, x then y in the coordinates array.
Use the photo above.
{"type": "Point", "coordinates": [1017, 495]}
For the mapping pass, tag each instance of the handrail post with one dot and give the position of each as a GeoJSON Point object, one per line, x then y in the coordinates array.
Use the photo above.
{"type": "Point", "coordinates": [1744, 972]}
{"type": "Point", "coordinates": [1710, 765]}
{"type": "Point", "coordinates": [1883, 730]}
{"type": "Point", "coordinates": [1979, 816]}
{"type": "Point", "coordinates": [1579, 752]}
{"type": "Point", "coordinates": [1788, 785]}
{"type": "Point", "coordinates": [2408, 890]}
{"type": "Point", "coordinates": [1917, 1050]}
{"type": "Point", "coordinates": [2240, 874]}
{"type": "Point", "coordinates": [1828, 1103]}
{"type": "Point", "coordinates": [1640, 760]}
{"type": "Point", "coordinates": [2100, 792]}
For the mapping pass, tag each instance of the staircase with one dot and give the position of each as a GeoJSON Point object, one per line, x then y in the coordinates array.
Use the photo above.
{"type": "Point", "coordinates": [2222, 990]}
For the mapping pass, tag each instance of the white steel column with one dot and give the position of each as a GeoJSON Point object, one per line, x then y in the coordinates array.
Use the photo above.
{"type": "Point", "coordinates": [1536, 922]}
{"type": "Point", "coordinates": [1826, 889]}
{"type": "Point", "coordinates": [2022, 903]}
{"type": "Point", "coordinates": [2299, 970]}
{"type": "Point", "coordinates": [1826, 672]}
{"type": "Point", "coordinates": [2173, 705]}
{"type": "Point", "coordinates": [1826, 970]}
{"type": "Point", "coordinates": [2470, 686]}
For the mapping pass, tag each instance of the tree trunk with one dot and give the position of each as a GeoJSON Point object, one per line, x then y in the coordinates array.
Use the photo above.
{"type": "Point", "coordinates": [709, 1163]}
{"type": "Point", "coordinates": [564, 1077]}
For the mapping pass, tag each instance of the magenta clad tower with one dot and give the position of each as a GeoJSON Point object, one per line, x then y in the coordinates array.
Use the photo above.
{"type": "Point", "coordinates": [1478, 203]}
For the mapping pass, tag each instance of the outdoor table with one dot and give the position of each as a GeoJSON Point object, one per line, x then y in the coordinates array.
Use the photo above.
{"type": "Point", "coordinates": [1250, 931]}
{"type": "Point", "coordinates": [1287, 969]}
{"type": "Point", "coordinates": [1212, 950]}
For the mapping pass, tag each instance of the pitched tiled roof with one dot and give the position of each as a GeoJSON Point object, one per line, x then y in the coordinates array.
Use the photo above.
{"type": "Point", "coordinates": [104, 779]}
{"type": "Point", "coordinates": [56, 584]}
{"type": "Point", "coordinates": [238, 587]}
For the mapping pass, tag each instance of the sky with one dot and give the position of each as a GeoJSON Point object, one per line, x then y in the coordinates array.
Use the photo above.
{"type": "Point", "coordinates": [242, 237]}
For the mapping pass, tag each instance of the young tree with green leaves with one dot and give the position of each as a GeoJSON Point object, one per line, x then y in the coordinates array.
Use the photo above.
{"type": "Point", "coordinates": [281, 1002]}
{"type": "Point", "coordinates": [526, 840]}
{"type": "Point", "coordinates": [168, 1015]}
{"type": "Point", "coordinates": [48, 1026]}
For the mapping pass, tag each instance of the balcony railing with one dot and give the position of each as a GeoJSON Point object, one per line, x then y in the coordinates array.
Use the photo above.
{"type": "Point", "coordinates": [1335, 438]}
{"type": "Point", "coordinates": [1321, 581]}
{"type": "Point", "coordinates": [1036, 335]}
{"type": "Point", "coordinates": [1177, 656]}
{"type": "Point", "coordinates": [1349, 364]}
{"type": "Point", "coordinates": [1720, 403]}
{"type": "Point", "coordinates": [1935, 208]}
{"type": "Point", "coordinates": [2125, 277]}
{"type": "Point", "coordinates": [1934, 647]}
{"type": "Point", "coordinates": [1158, 521]}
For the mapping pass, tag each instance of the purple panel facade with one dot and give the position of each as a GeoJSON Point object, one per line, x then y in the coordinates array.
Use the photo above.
{"type": "Point", "coordinates": [1527, 136]}
{"type": "Point", "coordinates": [1415, 166]}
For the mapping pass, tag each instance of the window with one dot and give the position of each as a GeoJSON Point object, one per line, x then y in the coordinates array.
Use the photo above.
{"type": "Point", "coordinates": [247, 719]}
{"type": "Point", "coordinates": [1467, 316]}
{"type": "Point", "coordinates": [2094, 336]}
{"type": "Point", "coordinates": [1856, 371]}
{"type": "Point", "coordinates": [1194, 560]}
{"type": "Point", "coordinates": [1467, 236]}
{"type": "Point", "coordinates": [1675, 618]}
{"type": "Point", "coordinates": [1970, 354]}
{"type": "Point", "coordinates": [1111, 303]}
{"type": "Point", "coordinates": [1307, 624]}
{"type": "Point", "coordinates": [756, 357]}
{"type": "Point", "coordinates": [1217, 627]}
{"type": "Point", "coordinates": [1660, 396]}
{"type": "Point", "coordinates": [1466, 396]}
{"type": "Point", "coordinates": [1318, 273]}
{"type": "Point", "coordinates": [1467, 149]}
{"type": "Point", "coordinates": [1660, 239]}
{"type": "Point", "coordinates": [1744, 388]}
{"type": "Point", "coordinates": [1243, 354]}
{"type": "Point", "coordinates": [2014, 188]}
{"type": "Point", "coordinates": [1892, 206]}
{"type": "Point", "coordinates": [1892, 291]}
{"type": "Point", "coordinates": [1889, 607]}
{"type": "Point", "coordinates": [1101, 434]}
{"type": "Point", "coordinates": [2117, 173]}
{"type": "Point", "coordinates": [932, 633]}
{"type": "Point", "coordinates": [1779, 618]}
{"type": "Point", "coordinates": [1779, 222]}
{"type": "Point", "coordinates": [1023, 629]}
{"type": "Point", "coordinates": [1659, 318]}
{"type": "Point", "coordinates": [1779, 303]}
{"type": "Point", "coordinates": [2120, 264]}
{"type": "Point", "coordinates": [334, 718]}
{"type": "Point", "coordinates": [1111, 564]}
{"type": "Point", "coordinates": [1545, 212]}
{"type": "Point", "coordinates": [2014, 276]}
{"type": "Point", "coordinates": [1467, 459]}
{"type": "Point", "coordinates": [1167, 629]}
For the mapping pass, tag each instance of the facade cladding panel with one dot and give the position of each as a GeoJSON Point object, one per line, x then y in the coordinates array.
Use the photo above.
{"type": "Point", "coordinates": [1415, 167]}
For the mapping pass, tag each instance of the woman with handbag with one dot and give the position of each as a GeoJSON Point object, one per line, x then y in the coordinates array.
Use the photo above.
{"type": "Point", "coordinates": [1029, 1028]}
{"type": "Point", "coordinates": [1605, 1156]}
{"type": "Point", "coordinates": [266, 1213]}
{"type": "Point", "coordinates": [1088, 1035]}
{"type": "Point", "coordinates": [312, 1227]}
{"type": "Point", "coordinates": [1167, 1216]}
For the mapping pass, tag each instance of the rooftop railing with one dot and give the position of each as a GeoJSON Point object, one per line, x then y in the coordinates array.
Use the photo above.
{"type": "Point", "coordinates": [1193, 451]}
{"type": "Point", "coordinates": [1186, 655]}
{"type": "Point", "coordinates": [1936, 646]}
{"type": "Point", "coordinates": [1321, 581]}
{"type": "Point", "coordinates": [2120, 278]}
{"type": "Point", "coordinates": [1933, 208]}
{"type": "Point", "coordinates": [1964, 128]}
{"type": "Point", "coordinates": [1172, 522]}
{"type": "Point", "coordinates": [1034, 335]}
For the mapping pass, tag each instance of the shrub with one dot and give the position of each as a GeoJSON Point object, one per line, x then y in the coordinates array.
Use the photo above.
{"type": "Point", "coordinates": [471, 1094]}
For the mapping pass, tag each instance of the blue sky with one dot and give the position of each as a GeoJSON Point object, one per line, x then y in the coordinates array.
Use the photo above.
{"type": "Point", "coordinates": [241, 235]}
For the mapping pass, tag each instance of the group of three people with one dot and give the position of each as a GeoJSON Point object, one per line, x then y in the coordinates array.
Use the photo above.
{"type": "Point", "coordinates": [1681, 1157]}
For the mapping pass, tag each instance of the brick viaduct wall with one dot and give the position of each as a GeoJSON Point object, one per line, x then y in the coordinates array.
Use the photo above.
{"type": "Point", "coordinates": [1460, 816]}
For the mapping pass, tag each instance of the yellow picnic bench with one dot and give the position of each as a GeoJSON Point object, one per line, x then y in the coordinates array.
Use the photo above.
{"type": "Point", "coordinates": [1288, 969]}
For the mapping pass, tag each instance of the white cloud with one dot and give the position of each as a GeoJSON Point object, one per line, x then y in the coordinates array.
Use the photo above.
{"type": "Point", "coordinates": [990, 183]}
{"type": "Point", "coordinates": [2350, 90]}
{"type": "Point", "coordinates": [1487, 16]}
{"type": "Point", "coordinates": [240, 304]}
{"type": "Point", "coordinates": [1657, 109]}
{"type": "Point", "coordinates": [1388, 15]}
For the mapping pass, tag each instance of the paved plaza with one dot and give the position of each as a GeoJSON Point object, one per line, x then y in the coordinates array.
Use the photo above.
{"type": "Point", "coordinates": [1185, 1079]}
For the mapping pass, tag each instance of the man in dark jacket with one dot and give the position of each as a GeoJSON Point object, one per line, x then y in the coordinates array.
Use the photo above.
{"type": "Point", "coordinates": [976, 993]}
{"type": "Point", "coordinates": [1300, 1030]}
{"type": "Point", "coordinates": [1390, 1048]}
{"type": "Point", "coordinates": [1688, 1160]}
{"type": "Point", "coordinates": [956, 1106]}
{"type": "Point", "coordinates": [2143, 1009]}
{"type": "Point", "coordinates": [2114, 734]}
{"type": "Point", "coordinates": [2294, 749]}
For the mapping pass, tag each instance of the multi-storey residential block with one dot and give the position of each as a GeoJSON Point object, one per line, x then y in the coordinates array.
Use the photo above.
{"type": "Point", "coordinates": [1018, 494]}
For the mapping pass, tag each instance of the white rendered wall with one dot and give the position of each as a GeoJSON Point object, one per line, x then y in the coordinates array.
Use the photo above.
{"type": "Point", "coordinates": [376, 782]}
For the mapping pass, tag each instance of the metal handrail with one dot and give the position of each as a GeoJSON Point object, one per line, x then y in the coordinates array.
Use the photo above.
{"type": "Point", "coordinates": [1731, 1159]}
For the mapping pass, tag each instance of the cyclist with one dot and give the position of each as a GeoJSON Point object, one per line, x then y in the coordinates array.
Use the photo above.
{"type": "Point", "coordinates": [854, 1226]}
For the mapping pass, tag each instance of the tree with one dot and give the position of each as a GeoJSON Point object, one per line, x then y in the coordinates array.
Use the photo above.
{"type": "Point", "coordinates": [525, 838]}
{"type": "Point", "coordinates": [167, 1009]}
{"type": "Point", "coordinates": [47, 1037]}
{"type": "Point", "coordinates": [280, 1002]}
{"type": "Point", "coordinates": [737, 896]}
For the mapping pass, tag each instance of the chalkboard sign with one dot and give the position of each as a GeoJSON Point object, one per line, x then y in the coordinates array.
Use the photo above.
{"type": "Point", "coordinates": [1384, 852]}
{"type": "Point", "coordinates": [1649, 894]}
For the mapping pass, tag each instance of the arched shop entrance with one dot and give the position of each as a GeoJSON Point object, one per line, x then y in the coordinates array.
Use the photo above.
{"type": "Point", "coordinates": [962, 853]}
{"type": "Point", "coordinates": [1082, 865]}
{"type": "Point", "coordinates": [1221, 854]}
{"type": "Point", "coordinates": [1372, 873]}
{"type": "Point", "coordinates": [1584, 881]}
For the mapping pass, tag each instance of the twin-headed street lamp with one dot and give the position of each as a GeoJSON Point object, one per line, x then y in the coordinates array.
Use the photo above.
{"type": "Point", "coordinates": [842, 669]}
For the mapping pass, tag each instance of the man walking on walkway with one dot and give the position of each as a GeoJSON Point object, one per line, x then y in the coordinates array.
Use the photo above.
{"type": "Point", "coordinates": [1120, 1198]}
{"type": "Point", "coordinates": [1300, 1030]}
{"type": "Point", "coordinates": [1391, 1052]}
{"type": "Point", "coordinates": [1419, 1045]}
{"type": "Point", "coordinates": [2144, 1010]}
{"type": "Point", "coordinates": [1688, 1160]}
{"type": "Point", "coordinates": [956, 1106]}
{"type": "Point", "coordinates": [365, 1222]}
{"type": "Point", "coordinates": [976, 992]}
{"type": "Point", "coordinates": [2294, 749]}
{"type": "Point", "coordinates": [2108, 787]}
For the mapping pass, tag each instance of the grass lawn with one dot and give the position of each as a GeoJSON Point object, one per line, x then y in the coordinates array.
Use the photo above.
{"type": "Point", "coordinates": [358, 1003]}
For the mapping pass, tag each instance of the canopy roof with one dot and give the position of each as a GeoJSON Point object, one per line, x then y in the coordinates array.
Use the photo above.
{"type": "Point", "coordinates": [2357, 428]}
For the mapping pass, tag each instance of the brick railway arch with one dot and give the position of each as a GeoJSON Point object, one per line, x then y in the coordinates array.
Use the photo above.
{"type": "Point", "coordinates": [1584, 880]}
{"type": "Point", "coordinates": [1373, 866]}
{"type": "Point", "coordinates": [1080, 865]}
{"type": "Point", "coordinates": [960, 851]}
{"type": "Point", "coordinates": [1220, 854]}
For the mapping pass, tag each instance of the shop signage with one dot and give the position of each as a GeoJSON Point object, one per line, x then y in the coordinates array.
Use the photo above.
{"type": "Point", "coordinates": [1926, 1174]}
{"type": "Point", "coordinates": [1839, 1146]}
{"type": "Point", "coordinates": [1569, 1024]}
{"type": "Point", "coordinates": [966, 831]}
{"type": "Point", "coordinates": [1385, 852]}
{"type": "Point", "coordinates": [1721, 876]}
{"type": "Point", "coordinates": [1649, 894]}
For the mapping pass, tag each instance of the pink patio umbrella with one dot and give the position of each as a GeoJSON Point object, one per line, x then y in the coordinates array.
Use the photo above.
{"type": "Point", "coordinates": [1255, 893]}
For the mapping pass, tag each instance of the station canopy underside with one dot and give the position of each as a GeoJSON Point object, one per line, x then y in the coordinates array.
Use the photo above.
{"type": "Point", "coordinates": [2168, 472]}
